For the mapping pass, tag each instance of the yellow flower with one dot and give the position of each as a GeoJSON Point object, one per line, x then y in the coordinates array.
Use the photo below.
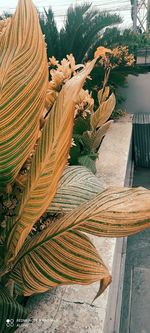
{"type": "Point", "coordinates": [101, 52]}
{"type": "Point", "coordinates": [65, 69]}
{"type": "Point", "coordinates": [73, 143]}
{"type": "Point", "coordinates": [57, 77]}
{"type": "Point", "coordinates": [71, 60]}
{"type": "Point", "coordinates": [115, 52]}
{"type": "Point", "coordinates": [53, 61]}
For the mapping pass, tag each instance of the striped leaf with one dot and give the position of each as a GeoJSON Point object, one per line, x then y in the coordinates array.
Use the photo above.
{"type": "Point", "coordinates": [103, 94]}
{"type": "Point", "coordinates": [53, 259]}
{"type": "Point", "coordinates": [93, 139]}
{"type": "Point", "coordinates": [87, 138]}
{"type": "Point", "coordinates": [103, 113]}
{"type": "Point", "coordinates": [49, 161]}
{"type": "Point", "coordinates": [117, 212]}
{"type": "Point", "coordinates": [10, 311]}
{"type": "Point", "coordinates": [77, 185]}
{"type": "Point", "coordinates": [88, 162]}
{"type": "Point", "coordinates": [99, 135]}
{"type": "Point", "coordinates": [61, 254]}
{"type": "Point", "coordinates": [23, 85]}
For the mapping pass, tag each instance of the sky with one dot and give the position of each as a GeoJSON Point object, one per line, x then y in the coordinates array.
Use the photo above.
{"type": "Point", "coordinates": [59, 7]}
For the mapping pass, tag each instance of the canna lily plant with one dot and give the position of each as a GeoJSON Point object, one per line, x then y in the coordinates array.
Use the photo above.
{"type": "Point", "coordinates": [89, 126]}
{"type": "Point", "coordinates": [40, 140]}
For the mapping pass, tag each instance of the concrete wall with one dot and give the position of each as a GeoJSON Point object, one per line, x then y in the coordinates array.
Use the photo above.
{"type": "Point", "coordinates": [137, 93]}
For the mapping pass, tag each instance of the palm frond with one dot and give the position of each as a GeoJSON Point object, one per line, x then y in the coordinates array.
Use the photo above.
{"type": "Point", "coordinates": [82, 29]}
{"type": "Point", "coordinates": [50, 31]}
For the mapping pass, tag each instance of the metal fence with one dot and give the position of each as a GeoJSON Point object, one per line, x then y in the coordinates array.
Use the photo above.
{"type": "Point", "coordinates": [143, 56]}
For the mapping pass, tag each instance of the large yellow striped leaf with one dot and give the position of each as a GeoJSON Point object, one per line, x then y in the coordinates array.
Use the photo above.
{"type": "Point", "coordinates": [61, 254]}
{"type": "Point", "coordinates": [49, 161]}
{"type": "Point", "coordinates": [103, 113]}
{"type": "Point", "coordinates": [50, 260]}
{"type": "Point", "coordinates": [76, 186]}
{"type": "Point", "coordinates": [118, 212]}
{"type": "Point", "coordinates": [23, 85]}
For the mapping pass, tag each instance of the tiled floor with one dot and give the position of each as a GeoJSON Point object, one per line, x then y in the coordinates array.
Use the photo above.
{"type": "Point", "coordinates": [135, 315]}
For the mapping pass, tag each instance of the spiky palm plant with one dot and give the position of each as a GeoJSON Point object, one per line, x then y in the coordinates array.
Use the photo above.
{"type": "Point", "coordinates": [81, 30]}
{"type": "Point", "coordinates": [49, 29]}
{"type": "Point", "coordinates": [62, 253]}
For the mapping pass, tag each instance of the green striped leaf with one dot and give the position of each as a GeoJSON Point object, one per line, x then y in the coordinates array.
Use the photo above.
{"type": "Point", "coordinates": [49, 161]}
{"type": "Point", "coordinates": [76, 186]}
{"type": "Point", "coordinates": [10, 312]}
{"type": "Point", "coordinates": [23, 85]}
{"type": "Point", "coordinates": [61, 254]}
{"type": "Point", "coordinates": [88, 162]}
{"type": "Point", "coordinates": [53, 259]}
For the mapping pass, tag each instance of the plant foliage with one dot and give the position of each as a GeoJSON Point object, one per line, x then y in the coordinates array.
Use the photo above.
{"type": "Point", "coordinates": [36, 123]}
{"type": "Point", "coordinates": [11, 312]}
{"type": "Point", "coordinates": [82, 28]}
{"type": "Point", "coordinates": [23, 83]}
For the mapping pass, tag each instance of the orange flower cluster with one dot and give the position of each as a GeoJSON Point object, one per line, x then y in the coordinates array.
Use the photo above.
{"type": "Point", "coordinates": [115, 57]}
{"type": "Point", "coordinates": [102, 52]}
{"type": "Point", "coordinates": [122, 55]}
{"type": "Point", "coordinates": [84, 104]}
{"type": "Point", "coordinates": [60, 73]}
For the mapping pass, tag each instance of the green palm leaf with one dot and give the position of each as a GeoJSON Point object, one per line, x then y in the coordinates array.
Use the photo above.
{"type": "Point", "coordinates": [82, 29]}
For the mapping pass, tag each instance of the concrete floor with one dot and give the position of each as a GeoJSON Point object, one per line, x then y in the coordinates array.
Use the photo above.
{"type": "Point", "coordinates": [135, 314]}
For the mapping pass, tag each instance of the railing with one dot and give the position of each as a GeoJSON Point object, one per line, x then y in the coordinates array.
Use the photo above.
{"type": "Point", "coordinates": [143, 56]}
